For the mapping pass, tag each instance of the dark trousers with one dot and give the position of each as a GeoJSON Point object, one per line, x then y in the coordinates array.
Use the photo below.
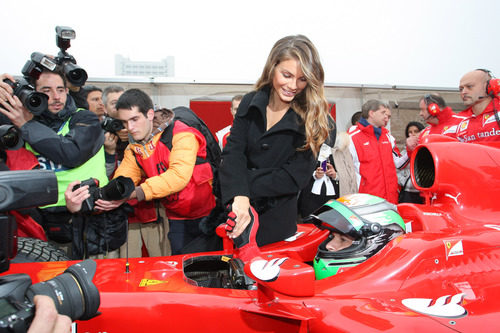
{"type": "Point", "coordinates": [182, 232]}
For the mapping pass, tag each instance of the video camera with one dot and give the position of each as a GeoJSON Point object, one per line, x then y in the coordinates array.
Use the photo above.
{"type": "Point", "coordinates": [73, 292]}
{"type": "Point", "coordinates": [117, 189]}
{"type": "Point", "coordinates": [111, 125]}
{"type": "Point", "coordinates": [76, 75]}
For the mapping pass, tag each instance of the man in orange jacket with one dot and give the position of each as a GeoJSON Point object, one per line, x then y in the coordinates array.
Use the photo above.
{"type": "Point", "coordinates": [172, 158]}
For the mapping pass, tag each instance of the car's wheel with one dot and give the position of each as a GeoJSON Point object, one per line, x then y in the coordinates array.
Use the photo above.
{"type": "Point", "coordinates": [36, 250]}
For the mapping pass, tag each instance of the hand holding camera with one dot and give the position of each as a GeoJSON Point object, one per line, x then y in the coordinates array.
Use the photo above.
{"type": "Point", "coordinates": [82, 196]}
{"type": "Point", "coordinates": [13, 97]}
{"type": "Point", "coordinates": [110, 141]}
{"type": "Point", "coordinates": [73, 294]}
{"type": "Point", "coordinates": [46, 317]}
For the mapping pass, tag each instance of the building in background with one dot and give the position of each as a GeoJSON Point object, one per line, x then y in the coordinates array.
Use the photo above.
{"type": "Point", "coordinates": [126, 67]}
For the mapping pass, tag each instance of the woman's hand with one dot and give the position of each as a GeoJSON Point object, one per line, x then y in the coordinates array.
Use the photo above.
{"type": "Point", "coordinates": [319, 173]}
{"type": "Point", "coordinates": [240, 207]}
{"type": "Point", "coordinates": [330, 171]}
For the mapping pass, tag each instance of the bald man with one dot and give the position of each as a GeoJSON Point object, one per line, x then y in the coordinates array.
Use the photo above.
{"type": "Point", "coordinates": [483, 119]}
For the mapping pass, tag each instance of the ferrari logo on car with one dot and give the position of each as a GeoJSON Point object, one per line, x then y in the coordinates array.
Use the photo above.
{"type": "Point", "coordinates": [444, 306]}
{"type": "Point", "coordinates": [267, 270]}
{"type": "Point", "coordinates": [453, 248]}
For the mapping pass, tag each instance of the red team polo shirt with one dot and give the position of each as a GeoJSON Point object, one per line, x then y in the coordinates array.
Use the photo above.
{"type": "Point", "coordinates": [483, 127]}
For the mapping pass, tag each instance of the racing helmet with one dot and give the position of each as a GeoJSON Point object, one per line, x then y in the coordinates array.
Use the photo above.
{"type": "Point", "coordinates": [369, 220]}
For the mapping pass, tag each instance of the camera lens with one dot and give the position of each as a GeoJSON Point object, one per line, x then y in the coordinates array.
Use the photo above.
{"type": "Point", "coordinates": [116, 125]}
{"type": "Point", "coordinates": [117, 189]}
{"type": "Point", "coordinates": [75, 74]}
{"type": "Point", "coordinates": [9, 138]}
{"type": "Point", "coordinates": [73, 292]}
{"type": "Point", "coordinates": [36, 102]}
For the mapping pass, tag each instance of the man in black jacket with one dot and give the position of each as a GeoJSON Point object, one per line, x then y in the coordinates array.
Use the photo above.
{"type": "Point", "coordinates": [64, 138]}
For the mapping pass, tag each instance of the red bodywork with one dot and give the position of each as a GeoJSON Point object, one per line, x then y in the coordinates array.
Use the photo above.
{"type": "Point", "coordinates": [442, 276]}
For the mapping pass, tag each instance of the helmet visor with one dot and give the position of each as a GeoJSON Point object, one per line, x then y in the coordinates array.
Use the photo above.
{"type": "Point", "coordinates": [338, 217]}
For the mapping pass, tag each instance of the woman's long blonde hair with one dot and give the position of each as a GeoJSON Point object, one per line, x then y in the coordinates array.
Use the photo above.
{"type": "Point", "coordinates": [311, 104]}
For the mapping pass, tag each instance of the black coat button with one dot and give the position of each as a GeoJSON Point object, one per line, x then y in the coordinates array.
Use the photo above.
{"type": "Point", "coordinates": [265, 146]}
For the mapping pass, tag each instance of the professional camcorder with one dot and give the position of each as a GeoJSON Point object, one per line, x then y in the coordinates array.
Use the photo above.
{"type": "Point", "coordinates": [73, 292]}
{"type": "Point", "coordinates": [111, 125]}
{"type": "Point", "coordinates": [117, 189]}
{"type": "Point", "coordinates": [76, 75]}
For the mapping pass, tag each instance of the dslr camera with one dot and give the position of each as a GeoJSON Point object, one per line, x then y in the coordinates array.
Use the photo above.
{"type": "Point", "coordinates": [73, 292]}
{"type": "Point", "coordinates": [111, 125]}
{"type": "Point", "coordinates": [117, 189]}
{"type": "Point", "coordinates": [34, 101]}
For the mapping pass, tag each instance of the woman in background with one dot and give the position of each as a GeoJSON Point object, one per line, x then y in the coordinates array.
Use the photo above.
{"type": "Point", "coordinates": [408, 192]}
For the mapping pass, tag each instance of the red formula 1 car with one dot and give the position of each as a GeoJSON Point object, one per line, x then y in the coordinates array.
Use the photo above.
{"type": "Point", "coordinates": [441, 275]}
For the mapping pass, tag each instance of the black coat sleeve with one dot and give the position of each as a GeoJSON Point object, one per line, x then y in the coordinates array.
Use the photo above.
{"type": "Point", "coordinates": [233, 169]}
{"type": "Point", "coordinates": [83, 140]}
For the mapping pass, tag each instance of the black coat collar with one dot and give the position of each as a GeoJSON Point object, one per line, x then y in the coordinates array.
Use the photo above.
{"type": "Point", "coordinates": [259, 102]}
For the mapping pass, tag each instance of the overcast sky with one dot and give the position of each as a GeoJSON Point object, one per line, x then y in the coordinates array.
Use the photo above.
{"type": "Point", "coordinates": [418, 43]}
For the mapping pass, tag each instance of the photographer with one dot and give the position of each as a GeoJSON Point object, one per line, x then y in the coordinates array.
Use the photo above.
{"type": "Point", "coordinates": [64, 138]}
{"type": "Point", "coordinates": [115, 136]}
{"type": "Point", "coordinates": [145, 220]}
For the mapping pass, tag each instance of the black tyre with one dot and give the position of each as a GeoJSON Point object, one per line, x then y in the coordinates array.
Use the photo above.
{"type": "Point", "coordinates": [36, 250]}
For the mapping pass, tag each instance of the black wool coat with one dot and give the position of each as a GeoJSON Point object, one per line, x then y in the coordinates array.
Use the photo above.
{"type": "Point", "coordinates": [266, 166]}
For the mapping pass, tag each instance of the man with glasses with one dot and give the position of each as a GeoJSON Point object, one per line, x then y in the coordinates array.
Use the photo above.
{"type": "Point", "coordinates": [372, 151]}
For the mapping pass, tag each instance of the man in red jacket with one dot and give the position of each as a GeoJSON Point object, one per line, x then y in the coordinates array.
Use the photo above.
{"type": "Point", "coordinates": [479, 92]}
{"type": "Point", "coordinates": [439, 116]}
{"type": "Point", "coordinates": [371, 148]}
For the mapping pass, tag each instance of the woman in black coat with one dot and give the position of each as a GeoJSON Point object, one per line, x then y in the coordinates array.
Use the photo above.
{"type": "Point", "coordinates": [276, 135]}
